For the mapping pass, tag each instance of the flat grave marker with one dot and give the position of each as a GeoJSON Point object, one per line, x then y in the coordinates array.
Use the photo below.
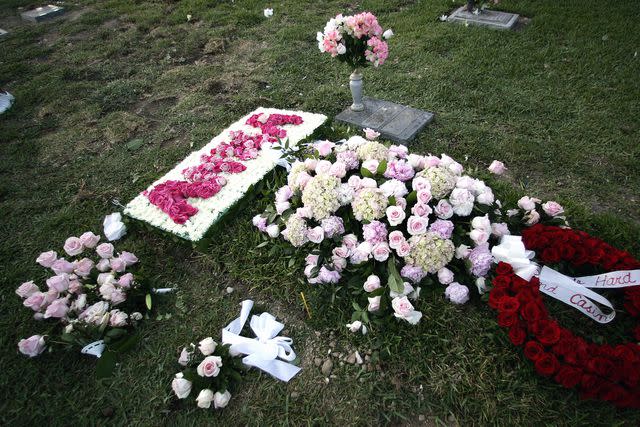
{"type": "Point", "coordinates": [42, 13]}
{"type": "Point", "coordinates": [487, 18]}
{"type": "Point", "coordinates": [396, 122]}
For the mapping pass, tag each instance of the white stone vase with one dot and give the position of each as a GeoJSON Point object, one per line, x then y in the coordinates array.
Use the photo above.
{"type": "Point", "coordinates": [355, 84]}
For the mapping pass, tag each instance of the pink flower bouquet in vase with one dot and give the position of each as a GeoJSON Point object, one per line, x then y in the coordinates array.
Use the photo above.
{"type": "Point", "coordinates": [359, 41]}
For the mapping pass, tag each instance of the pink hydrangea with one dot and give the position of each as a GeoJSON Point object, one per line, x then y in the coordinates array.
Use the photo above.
{"type": "Point", "coordinates": [481, 260]}
{"type": "Point", "coordinates": [400, 170]}
{"type": "Point", "coordinates": [443, 228]}
{"type": "Point", "coordinates": [413, 273]}
{"type": "Point", "coordinates": [375, 232]}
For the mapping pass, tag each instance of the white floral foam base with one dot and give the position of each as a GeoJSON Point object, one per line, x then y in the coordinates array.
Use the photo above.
{"type": "Point", "coordinates": [211, 210]}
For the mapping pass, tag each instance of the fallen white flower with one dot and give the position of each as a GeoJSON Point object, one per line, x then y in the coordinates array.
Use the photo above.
{"type": "Point", "coordinates": [114, 228]}
{"type": "Point", "coordinates": [268, 13]}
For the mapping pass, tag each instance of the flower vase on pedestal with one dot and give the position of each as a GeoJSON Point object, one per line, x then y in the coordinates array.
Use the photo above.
{"type": "Point", "coordinates": [355, 84]}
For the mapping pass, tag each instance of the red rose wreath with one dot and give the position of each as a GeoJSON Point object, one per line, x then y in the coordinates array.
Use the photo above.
{"type": "Point", "coordinates": [605, 372]}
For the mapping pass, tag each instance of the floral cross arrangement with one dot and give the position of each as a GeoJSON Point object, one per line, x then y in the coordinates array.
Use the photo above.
{"type": "Point", "coordinates": [193, 196]}
{"type": "Point", "coordinates": [357, 40]}
{"type": "Point", "coordinates": [93, 304]}
{"type": "Point", "coordinates": [392, 222]}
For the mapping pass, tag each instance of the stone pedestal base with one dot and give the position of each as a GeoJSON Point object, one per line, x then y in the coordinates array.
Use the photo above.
{"type": "Point", "coordinates": [395, 122]}
{"type": "Point", "coordinates": [487, 18]}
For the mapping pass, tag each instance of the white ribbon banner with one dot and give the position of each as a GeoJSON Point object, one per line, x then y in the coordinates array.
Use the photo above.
{"type": "Point", "coordinates": [573, 291]}
{"type": "Point", "coordinates": [565, 289]}
{"type": "Point", "coordinates": [264, 351]}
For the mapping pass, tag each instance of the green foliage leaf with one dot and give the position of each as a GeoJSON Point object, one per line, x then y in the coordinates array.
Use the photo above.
{"type": "Point", "coordinates": [395, 281]}
{"type": "Point", "coordinates": [106, 364]}
{"type": "Point", "coordinates": [412, 197]}
{"type": "Point", "coordinates": [382, 167]}
{"type": "Point", "coordinates": [366, 173]}
{"type": "Point", "coordinates": [147, 301]}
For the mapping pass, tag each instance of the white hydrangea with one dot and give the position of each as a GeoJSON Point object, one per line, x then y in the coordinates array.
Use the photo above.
{"type": "Point", "coordinates": [296, 231]}
{"type": "Point", "coordinates": [430, 252]}
{"type": "Point", "coordinates": [394, 187]}
{"type": "Point", "coordinates": [372, 150]}
{"type": "Point", "coordinates": [321, 195]}
{"type": "Point", "coordinates": [369, 204]}
{"type": "Point", "coordinates": [345, 194]}
{"type": "Point", "coordinates": [442, 180]}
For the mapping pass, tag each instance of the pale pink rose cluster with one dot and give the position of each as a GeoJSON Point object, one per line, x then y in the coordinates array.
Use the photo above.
{"type": "Point", "coordinates": [339, 33]}
{"type": "Point", "coordinates": [531, 215]}
{"type": "Point", "coordinates": [207, 368]}
{"type": "Point", "coordinates": [67, 299]}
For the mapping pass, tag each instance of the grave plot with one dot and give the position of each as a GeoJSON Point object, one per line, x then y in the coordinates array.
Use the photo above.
{"type": "Point", "coordinates": [42, 13]}
{"type": "Point", "coordinates": [197, 193]}
{"type": "Point", "coordinates": [487, 18]}
{"type": "Point", "coordinates": [395, 122]}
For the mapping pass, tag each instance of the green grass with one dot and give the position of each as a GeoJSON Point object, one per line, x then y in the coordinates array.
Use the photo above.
{"type": "Point", "coordinates": [557, 101]}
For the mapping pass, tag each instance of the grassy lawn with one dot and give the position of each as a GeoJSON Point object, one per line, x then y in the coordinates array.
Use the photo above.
{"type": "Point", "coordinates": [557, 101]}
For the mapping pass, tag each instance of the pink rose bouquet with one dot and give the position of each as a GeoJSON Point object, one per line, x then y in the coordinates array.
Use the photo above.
{"type": "Point", "coordinates": [90, 296]}
{"type": "Point", "coordinates": [357, 40]}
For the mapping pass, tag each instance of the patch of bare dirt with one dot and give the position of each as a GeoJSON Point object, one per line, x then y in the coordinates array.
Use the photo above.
{"type": "Point", "coordinates": [156, 107]}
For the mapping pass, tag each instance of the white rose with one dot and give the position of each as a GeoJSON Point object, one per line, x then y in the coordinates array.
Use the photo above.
{"type": "Point", "coordinates": [220, 400]}
{"type": "Point", "coordinates": [486, 197]}
{"type": "Point", "coordinates": [184, 358]}
{"type": "Point", "coordinates": [372, 283]}
{"type": "Point", "coordinates": [205, 398]}
{"type": "Point", "coordinates": [207, 346]}
{"type": "Point", "coordinates": [462, 251]}
{"type": "Point", "coordinates": [479, 236]}
{"type": "Point", "coordinates": [355, 326]}
{"type": "Point", "coordinates": [371, 165]}
{"type": "Point", "coordinates": [181, 386]}
{"type": "Point", "coordinates": [481, 223]}
{"type": "Point", "coordinates": [374, 303]}
{"type": "Point", "coordinates": [527, 203]}
{"type": "Point", "coordinates": [404, 310]}
{"type": "Point", "coordinates": [273, 230]}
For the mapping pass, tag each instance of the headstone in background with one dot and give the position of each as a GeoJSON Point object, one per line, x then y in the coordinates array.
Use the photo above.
{"type": "Point", "coordinates": [487, 18]}
{"type": "Point", "coordinates": [395, 122]}
{"type": "Point", "coordinates": [3, 34]}
{"type": "Point", "coordinates": [40, 14]}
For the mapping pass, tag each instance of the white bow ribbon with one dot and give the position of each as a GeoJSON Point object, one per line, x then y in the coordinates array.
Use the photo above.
{"type": "Point", "coordinates": [264, 351]}
{"type": "Point", "coordinates": [512, 251]}
{"type": "Point", "coordinates": [572, 291]}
